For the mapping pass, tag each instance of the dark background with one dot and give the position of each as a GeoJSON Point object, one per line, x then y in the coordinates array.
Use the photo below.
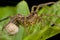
{"type": "Point", "coordinates": [30, 3]}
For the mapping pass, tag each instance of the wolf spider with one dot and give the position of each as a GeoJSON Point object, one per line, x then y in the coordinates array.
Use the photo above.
{"type": "Point", "coordinates": [31, 19]}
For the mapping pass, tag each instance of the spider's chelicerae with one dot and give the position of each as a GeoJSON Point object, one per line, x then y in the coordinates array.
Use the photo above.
{"type": "Point", "coordinates": [12, 26]}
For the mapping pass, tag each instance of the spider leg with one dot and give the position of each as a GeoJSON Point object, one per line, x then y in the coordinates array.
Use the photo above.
{"type": "Point", "coordinates": [51, 15]}
{"type": "Point", "coordinates": [33, 7]}
{"type": "Point", "coordinates": [5, 18]}
{"type": "Point", "coordinates": [41, 5]}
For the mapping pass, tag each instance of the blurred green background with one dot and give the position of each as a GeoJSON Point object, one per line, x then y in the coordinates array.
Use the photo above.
{"type": "Point", "coordinates": [37, 32]}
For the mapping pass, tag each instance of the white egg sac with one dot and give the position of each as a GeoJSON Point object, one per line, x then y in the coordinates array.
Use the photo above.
{"type": "Point", "coordinates": [11, 28]}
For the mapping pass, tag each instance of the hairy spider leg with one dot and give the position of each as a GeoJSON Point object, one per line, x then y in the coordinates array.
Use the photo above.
{"type": "Point", "coordinates": [33, 7]}
{"type": "Point", "coordinates": [41, 5]}
{"type": "Point", "coordinates": [4, 19]}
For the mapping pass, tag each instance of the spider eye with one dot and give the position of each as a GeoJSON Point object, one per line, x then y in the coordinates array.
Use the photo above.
{"type": "Point", "coordinates": [11, 29]}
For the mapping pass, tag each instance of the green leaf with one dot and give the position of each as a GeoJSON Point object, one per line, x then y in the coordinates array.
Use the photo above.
{"type": "Point", "coordinates": [49, 31]}
{"type": "Point", "coordinates": [22, 8]}
{"type": "Point", "coordinates": [20, 35]}
{"type": "Point", "coordinates": [36, 35]}
{"type": "Point", "coordinates": [37, 31]}
{"type": "Point", "coordinates": [5, 12]}
{"type": "Point", "coordinates": [54, 9]}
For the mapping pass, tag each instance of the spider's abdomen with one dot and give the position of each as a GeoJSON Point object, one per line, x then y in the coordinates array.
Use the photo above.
{"type": "Point", "coordinates": [11, 28]}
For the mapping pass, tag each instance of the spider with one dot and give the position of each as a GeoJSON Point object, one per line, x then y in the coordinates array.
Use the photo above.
{"type": "Point", "coordinates": [12, 26]}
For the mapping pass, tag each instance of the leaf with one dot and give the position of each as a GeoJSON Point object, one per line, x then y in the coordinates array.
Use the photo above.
{"type": "Point", "coordinates": [47, 31]}
{"type": "Point", "coordinates": [20, 34]}
{"type": "Point", "coordinates": [36, 35]}
{"type": "Point", "coordinates": [50, 32]}
{"type": "Point", "coordinates": [22, 8]}
{"type": "Point", "coordinates": [54, 9]}
{"type": "Point", "coordinates": [3, 36]}
{"type": "Point", "coordinates": [5, 12]}
{"type": "Point", "coordinates": [37, 31]}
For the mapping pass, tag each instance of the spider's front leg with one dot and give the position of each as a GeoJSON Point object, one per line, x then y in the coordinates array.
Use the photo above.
{"type": "Point", "coordinates": [39, 6]}
{"type": "Point", "coordinates": [33, 17]}
{"type": "Point", "coordinates": [42, 5]}
{"type": "Point", "coordinates": [33, 8]}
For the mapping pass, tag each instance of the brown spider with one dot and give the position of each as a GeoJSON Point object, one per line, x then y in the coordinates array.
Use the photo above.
{"type": "Point", "coordinates": [19, 19]}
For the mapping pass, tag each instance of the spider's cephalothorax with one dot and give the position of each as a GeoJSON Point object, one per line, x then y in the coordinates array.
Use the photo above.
{"type": "Point", "coordinates": [28, 20]}
{"type": "Point", "coordinates": [32, 18]}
